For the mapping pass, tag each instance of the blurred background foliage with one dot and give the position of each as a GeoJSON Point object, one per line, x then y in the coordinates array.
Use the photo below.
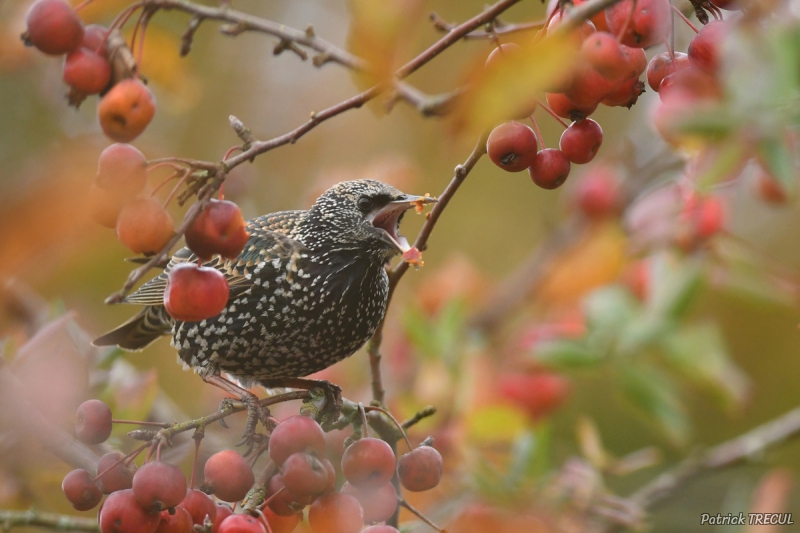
{"type": "Point", "coordinates": [706, 352]}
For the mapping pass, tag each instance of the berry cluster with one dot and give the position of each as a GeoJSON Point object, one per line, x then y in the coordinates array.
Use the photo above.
{"type": "Point", "coordinates": [126, 106]}
{"type": "Point", "coordinates": [610, 62]}
{"type": "Point", "coordinates": [156, 498]}
{"type": "Point", "coordinates": [307, 477]}
{"type": "Point", "coordinates": [143, 224]}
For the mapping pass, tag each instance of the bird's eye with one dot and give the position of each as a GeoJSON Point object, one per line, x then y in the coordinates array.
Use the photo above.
{"type": "Point", "coordinates": [365, 204]}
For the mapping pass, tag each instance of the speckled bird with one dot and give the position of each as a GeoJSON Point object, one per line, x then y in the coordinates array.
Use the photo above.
{"type": "Point", "coordinates": [308, 290]}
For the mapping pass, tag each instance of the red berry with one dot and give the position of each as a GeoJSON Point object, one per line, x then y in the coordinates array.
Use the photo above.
{"type": "Point", "coordinates": [512, 146]}
{"type": "Point", "coordinates": [126, 110]}
{"type": "Point", "coordinates": [53, 27]}
{"type": "Point", "coordinates": [502, 50]}
{"type": "Point", "coordinates": [581, 141]}
{"type": "Point", "coordinates": [378, 504]}
{"type": "Point", "coordinates": [626, 94]}
{"type": "Point", "coordinates": [86, 71]}
{"type": "Point", "coordinates": [195, 293]}
{"type": "Point", "coordinates": [368, 463]}
{"type": "Point", "coordinates": [537, 394]}
{"type": "Point", "coordinates": [219, 229]}
{"type": "Point", "coordinates": [603, 53]}
{"type": "Point", "coordinates": [565, 108]}
{"type": "Point", "coordinates": [550, 169]}
{"type": "Point", "coordinates": [122, 514]}
{"type": "Point", "coordinates": [770, 189]}
{"type": "Point", "coordinates": [597, 194]}
{"type": "Point", "coordinates": [589, 87]}
{"type": "Point", "coordinates": [704, 48]}
{"type": "Point", "coordinates": [122, 170]}
{"type": "Point", "coordinates": [228, 476]}
{"type": "Point", "coordinates": [336, 513]}
{"type": "Point", "coordinates": [420, 469]}
{"type": "Point", "coordinates": [691, 82]}
{"type": "Point", "coordinates": [296, 434]}
{"type": "Point", "coordinates": [584, 30]}
{"type": "Point", "coordinates": [662, 65]}
{"type": "Point", "coordinates": [94, 39]}
{"type": "Point", "coordinates": [199, 506]}
{"type": "Point", "coordinates": [708, 217]}
{"type": "Point", "coordinates": [81, 490]}
{"type": "Point", "coordinates": [241, 523]}
{"type": "Point", "coordinates": [650, 24]}
{"type": "Point", "coordinates": [178, 521]}
{"type": "Point", "coordinates": [304, 475]}
{"type": "Point", "coordinates": [223, 511]}
{"type": "Point", "coordinates": [281, 524]}
{"type": "Point", "coordinates": [159, 486]}
{"type": "Point", "coordinates": [114, 475]}
{"type": "Point", "coordinates": [93, 422]}
{"type": "Point", "coordinates": [144, 226]}
{"type": "Point", "coordinates": [283, 502]}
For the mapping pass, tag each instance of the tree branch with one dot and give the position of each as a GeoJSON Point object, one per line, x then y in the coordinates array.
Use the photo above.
{"type": "Point", "coordinates": [736, 450]}
{"type": "Point", "coordinates": [58, 522]}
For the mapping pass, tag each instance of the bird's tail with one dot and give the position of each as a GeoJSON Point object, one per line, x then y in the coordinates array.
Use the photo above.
{"type": "Point", "coordinates": [140, 331]}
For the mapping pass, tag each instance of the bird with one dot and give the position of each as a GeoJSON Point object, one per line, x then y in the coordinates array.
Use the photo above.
{"type": "Point", "coordinates": [308, 290]}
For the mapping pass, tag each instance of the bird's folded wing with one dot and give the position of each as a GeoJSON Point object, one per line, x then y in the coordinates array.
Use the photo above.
{"type": "Point", "coordinates": [265, 249]}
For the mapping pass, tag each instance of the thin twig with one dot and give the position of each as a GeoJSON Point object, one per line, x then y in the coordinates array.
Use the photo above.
{"type": "Point", "coordinates": [505, 29]}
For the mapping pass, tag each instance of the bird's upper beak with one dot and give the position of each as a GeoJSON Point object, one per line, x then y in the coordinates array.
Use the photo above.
{"type": "Point", "coordinates": [387, 219]}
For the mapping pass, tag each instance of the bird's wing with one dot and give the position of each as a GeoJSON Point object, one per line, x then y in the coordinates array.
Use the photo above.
{"type": "Point", "coordinates": [262, 249]}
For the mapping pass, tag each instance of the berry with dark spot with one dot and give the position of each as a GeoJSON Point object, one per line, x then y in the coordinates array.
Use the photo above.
{"type": "Point", "coordinates": [126, 110]}
{"type": "Point", "coordinates": [121, 513]}
{"type": "Point", "coordinates": [296, 434]}
{"type": "Point", "coordinates": [304, 475]}
{"type": "Point", "coordinates": [177, 520]}
{"type": "Point", "coordinates": [512, 146]}
{"type": "Point", "coordinates": [581, 141]}
{"type": "Point", "coordinates": [219, 229]}
{"type": "Point", "coordinates": [550, 169]}
{"type": "Point", "coordinates": [199, 506]}
{"type": "Point", "coordinates": [158, 486]}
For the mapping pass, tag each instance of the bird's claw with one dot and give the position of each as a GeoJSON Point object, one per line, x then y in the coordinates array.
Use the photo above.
{"type": "Point", "coordinates": [332, 407]}
{"type": "Point", "coordinates": [255, 414]}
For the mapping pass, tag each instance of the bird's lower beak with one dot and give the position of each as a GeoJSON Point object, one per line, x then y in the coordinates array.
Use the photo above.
{"type": "Point", "coordinates": [387, 219]}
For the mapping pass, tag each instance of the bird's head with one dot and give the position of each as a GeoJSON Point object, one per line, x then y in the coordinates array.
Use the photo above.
{"type": "Point", "coordinates": [364, 215]}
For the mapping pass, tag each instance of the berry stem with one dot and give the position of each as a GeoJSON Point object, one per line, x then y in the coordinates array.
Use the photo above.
{"type": "Point", "coordinates": [628, 20]}
{"type": "Point", "coordinates": [682, 16]}
{"type": "Point", "coordinates": [83, 4]}
{"type": "Point", "coordinates": [123, 459]}
{"type": "Point", "coordinates": [121, 19]}
{"type": "Point", "coordinates": [394, 421]}
{"type": "Point", "coordinates": [142, 22]}
{"type": "Point", "coordinates": [264, 520]}
{"type": "Point", "coordinates": [421, 516]}
{"type": "Point", "coordinates": [538, 133]}
{"type": "Point", "coordinates": [552, 113]}
{"type": "Point", "coordinates": [168, 179]}
{"type": "Point", "coordinates": [175, 189]}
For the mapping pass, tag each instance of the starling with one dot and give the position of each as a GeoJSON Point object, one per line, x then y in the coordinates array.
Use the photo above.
{"type": "Point", "coordinates": [308, 290]}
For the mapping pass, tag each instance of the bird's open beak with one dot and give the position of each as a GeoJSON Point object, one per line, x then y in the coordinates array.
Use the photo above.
{"type": "Point", "coordinates": [387, 218]}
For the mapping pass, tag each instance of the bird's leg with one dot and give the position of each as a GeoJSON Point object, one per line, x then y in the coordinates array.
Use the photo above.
{"type": "Point", "coordinates": [255, 411]}
{"type": "Point", "coordinates": [333, 394]}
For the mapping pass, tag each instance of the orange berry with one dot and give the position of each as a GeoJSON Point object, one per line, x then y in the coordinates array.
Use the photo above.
{"type": "Point", "coordinates": [126, 110]}
{"type": "Point", "coordinates": [144, 225]}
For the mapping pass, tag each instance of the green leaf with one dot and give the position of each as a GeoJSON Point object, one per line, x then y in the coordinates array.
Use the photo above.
{"type": "Point", "coordinates": [610, 308]}
{"type": "Point", "coordinates": [643, 332]}
{"type": "Point", "coordinates": [655, 394]}
{"type": "Point", "coordinates": [563, 353]}
{"type": "Point", "coordinates": [675, 286]}
{"type": "Point", "coordinates": [530, 455]}
{"type": "Point", "coordinates": [699, 353]}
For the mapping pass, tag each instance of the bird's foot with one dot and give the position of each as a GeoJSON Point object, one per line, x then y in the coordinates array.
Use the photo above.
{"type": "Point", "coordinates": [255, 413]}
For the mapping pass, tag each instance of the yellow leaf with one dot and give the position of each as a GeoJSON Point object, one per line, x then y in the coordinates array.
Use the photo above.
{"type": "Point", "coordinates": [377, 32]}
{"type": "Point", "coordinates": [510, 87]}
{"type": "Point", "coordinates": [496, 423]}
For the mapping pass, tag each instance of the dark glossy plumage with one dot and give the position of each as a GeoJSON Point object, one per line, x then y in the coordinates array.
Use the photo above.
{"type": "Point", "coordinates": [308, 290]}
